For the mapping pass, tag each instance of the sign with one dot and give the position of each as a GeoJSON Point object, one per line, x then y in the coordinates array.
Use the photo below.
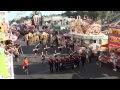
{"type": "Point", "coordinates": [10, 70]}
{"type": "Point", "coordinates": [3, 64]}
{"type": "Point", "coordinates": [6, 65]}
{"type": "Point", "coordinates": [9, 60]}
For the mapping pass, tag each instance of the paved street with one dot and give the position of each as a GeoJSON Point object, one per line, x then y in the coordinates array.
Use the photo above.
{"type": "Point", "coordinates": [41, 71]}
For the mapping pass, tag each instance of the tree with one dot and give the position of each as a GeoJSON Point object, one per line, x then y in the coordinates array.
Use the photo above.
{"type": "Point", "coordinates": [74, 13]}
{"type": "Point", "coordinates": [17, 21]}
{"type": "Point", "coordinates": [93, 14]}
{"type": "Point", "coordinates": [12, 21]}
{"type": "Point", "coordinates": [67, 13]}
{"type": "Point", "coordinates": [22, 20]}
{"type": "Point", "coordinates": [27, 17]}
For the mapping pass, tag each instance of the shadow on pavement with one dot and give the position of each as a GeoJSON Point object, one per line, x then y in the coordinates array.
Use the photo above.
{"type": "Point", "coordinates": [90, 71]}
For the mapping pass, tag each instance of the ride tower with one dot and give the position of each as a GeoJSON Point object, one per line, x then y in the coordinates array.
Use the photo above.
{"type": "Point", "coordinates": [37, 19]}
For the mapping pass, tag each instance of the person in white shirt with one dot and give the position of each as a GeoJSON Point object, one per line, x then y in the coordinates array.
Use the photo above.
{"type": "Point", "coordinates": [36, 50]}
{"type": "Point", "coordinates": [113, 58]}
{"type": "Point", "coordinates": [46, 49]}
{"type": "Point", "coordinates": [43, 57]}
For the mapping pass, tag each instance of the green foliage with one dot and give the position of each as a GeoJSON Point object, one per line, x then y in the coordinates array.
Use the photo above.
{"type": "Point", "coordinates": [91, 14]}
{"type": "Point", "coordinates": [67, 13]}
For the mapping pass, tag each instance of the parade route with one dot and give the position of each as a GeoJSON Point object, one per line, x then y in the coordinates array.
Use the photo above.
{"type": "Point", "coordinates": [41, 71]}
{"type": "Point", "coordinates": [37, 70]}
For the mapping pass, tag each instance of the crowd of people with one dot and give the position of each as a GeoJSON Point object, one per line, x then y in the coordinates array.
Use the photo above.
{"type": "Point", "coordinates": [12, 49]}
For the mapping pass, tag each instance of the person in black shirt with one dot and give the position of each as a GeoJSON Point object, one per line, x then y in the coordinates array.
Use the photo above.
{"type": "Point", "coordinates": [60, 64]}
{"type": "Point", "coordinates": [36, 51]}
{"type": "Point", "coordinates": [40, 41]}
{"type": "Point", "coordinates": [77, 61]}
{"type": "Point", "coordinates": [51, 64]}
{"type": "Point", "coordinates": [46, 49]}
{"type": "Point", "coordinates": [59, 49]}
{"type": "Point", "coordinates": [56, 64]}
{"type": "Point", "coordinates": [83, 58]}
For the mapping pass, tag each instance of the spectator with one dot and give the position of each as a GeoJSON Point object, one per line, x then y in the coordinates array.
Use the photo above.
{"type": "Point", "coordinates": [83, 58]}
{"type": "Point", "coordinates": [60, 64]}
{"type": "Point", "coordinates": [113, 58]}
{"type": "Point", "coordinates": [99, 60]}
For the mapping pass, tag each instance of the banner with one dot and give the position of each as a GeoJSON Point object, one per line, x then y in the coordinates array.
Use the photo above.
{"type": "Point", "coordinates": [3, 64]}
{"type": "Point", "coordinates": [9, 61]}
{"type": "Point", "coordinates": [10, 69]}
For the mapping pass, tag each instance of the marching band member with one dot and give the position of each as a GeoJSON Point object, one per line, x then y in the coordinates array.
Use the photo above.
{"type": "Point", "coordinates": [51, 63]}
{"type": "Point", "coordinates": [43, 57]}
{"type": "Point", "coordinates": [46, 49]}
{"type": "Point", "coordinates": [36, 50]}
{"type": "Point", "coordinates": [56, 64]}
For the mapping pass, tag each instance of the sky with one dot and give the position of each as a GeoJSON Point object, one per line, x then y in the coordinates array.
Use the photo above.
{"type": "Point", "coordinates": [13, 14]}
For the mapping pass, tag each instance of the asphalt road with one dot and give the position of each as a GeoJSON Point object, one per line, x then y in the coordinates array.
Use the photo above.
{"type": "Point", "coordinates": [37, 70]}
